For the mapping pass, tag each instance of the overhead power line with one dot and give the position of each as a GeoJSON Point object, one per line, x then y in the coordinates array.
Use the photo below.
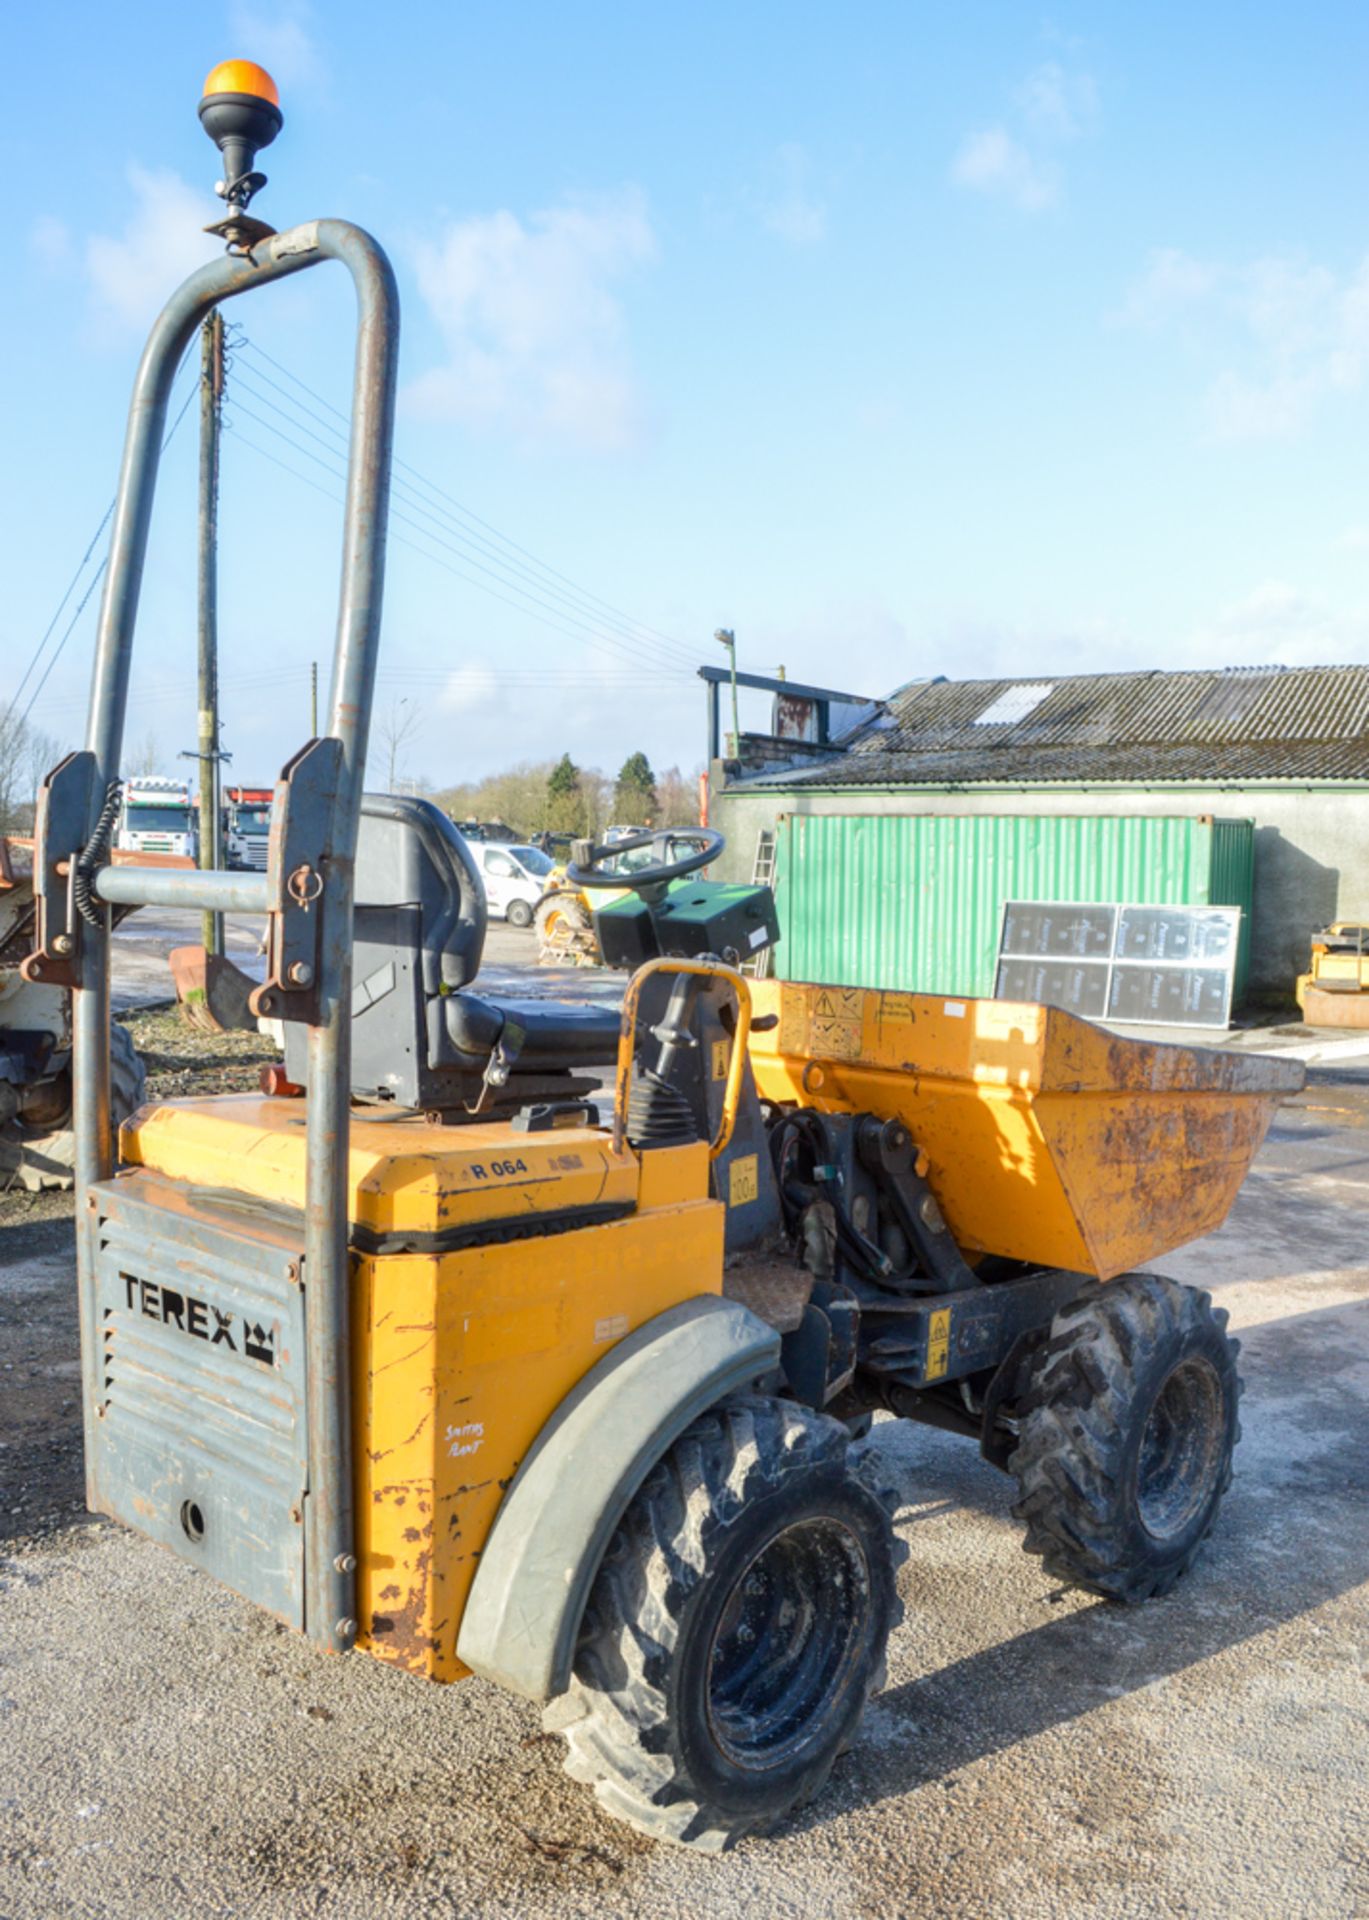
{"type": "Point", "coordinates": [547, 616]}
{"type": "Point", "coordinates": [427, 681]}
{"type": "Point", "coordinates": [81, 567]}
{"type": "Point", "coordinates": [511, 573]}
{"type": "Point", "coordinates": [95, 580]}
{"type": "Point", "coordinates": [481, 554]}
{"type": "Point", "coordinates": [605, 611]}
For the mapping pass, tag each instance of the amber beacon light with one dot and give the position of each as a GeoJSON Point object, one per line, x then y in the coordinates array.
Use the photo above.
{"type": "Point", "coordinates": [241, 114]}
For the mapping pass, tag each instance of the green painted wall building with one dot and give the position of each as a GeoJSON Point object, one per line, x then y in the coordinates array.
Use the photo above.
{"type": "Point", "coordinates": [895, 850]}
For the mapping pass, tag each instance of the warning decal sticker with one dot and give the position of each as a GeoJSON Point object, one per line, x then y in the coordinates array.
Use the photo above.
{"type": "Point", "coordinates": [834, 1023]}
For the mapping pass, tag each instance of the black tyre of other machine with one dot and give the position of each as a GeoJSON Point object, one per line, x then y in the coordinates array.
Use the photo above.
{"type": "Point", "coordinates": [737, 1627]}
{"type": "Point", "coordinates": [43, 1158]}
{"type": "Point", "coordinates": [519, 913]}
{"type": "Point", "coordinates": [566, 931]}
{"type": "Point", "coordinates": [1126, 1433]}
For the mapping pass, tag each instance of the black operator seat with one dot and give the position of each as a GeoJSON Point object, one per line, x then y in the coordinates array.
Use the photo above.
{"type": "Point", "coordinates": [421, 1037]}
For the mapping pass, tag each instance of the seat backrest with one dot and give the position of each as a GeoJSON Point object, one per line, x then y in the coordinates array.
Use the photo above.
{"type": "Point", "coordinates": [418, 1039]}
{"type": "Point", "coordinates": [411, 858]}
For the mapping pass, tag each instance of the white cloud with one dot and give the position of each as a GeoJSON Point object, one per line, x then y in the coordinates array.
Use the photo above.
{"type": "Point", "coordinates": [1054, 106]}
{"type": "Point", "coordinates": [993, 162]}
{"type": "Point", "coordinates": [1272, 408]}
{"type": "Point", "coordinates": [1282, 337]}
{"type": "Point", "coordinates": [280, 41]}
{"type": "Point", "coordinates": [786, 206]}
{"type": "Point", "coordinates": [533, 331]}
{"type": "Point", "coordinates": [50, 240]}
{"type": "Point", "coordinates": [131, 273]}
{"type": "Point", "coordinates": [1279, 625]}
{"type": "Point", "coordinates": [1172, 282]}
{"type": "Point", "coordinates": [856, 643]}
{"type": "Point", "coordinates": [468, 689]}
{"type": "Point", "coordinates": [600, 713]}
{"type": "Point", "coordinates": [1058, 103]}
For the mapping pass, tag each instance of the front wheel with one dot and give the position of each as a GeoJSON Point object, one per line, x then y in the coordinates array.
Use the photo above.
{"type": "Point", "coordinates": [1126, 1435]}
{"type": "Point", "coordinates": [736, 1629]}
{"type": "Point", "coordinates": [565, 932]}
{"type": "Point", "coordinates": [519, 913]}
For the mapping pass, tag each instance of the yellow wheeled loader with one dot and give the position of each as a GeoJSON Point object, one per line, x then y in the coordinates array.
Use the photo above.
{"type": "Point", "coordinates": [565, 917]}
{"type": "Point", "coordinates": [434, 1362]}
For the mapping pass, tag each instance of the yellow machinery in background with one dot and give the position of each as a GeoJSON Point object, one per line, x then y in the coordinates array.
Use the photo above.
{"type": "Point", "coordinates": [1335, 990]}
{"type": "Point", "coordinates": [566, 916]}
{"type": "Point", "coordinates": [432, 1356]}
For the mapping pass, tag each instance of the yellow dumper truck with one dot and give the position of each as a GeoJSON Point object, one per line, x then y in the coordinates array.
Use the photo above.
{"type": "Point", "coordinates": [437, 1361]}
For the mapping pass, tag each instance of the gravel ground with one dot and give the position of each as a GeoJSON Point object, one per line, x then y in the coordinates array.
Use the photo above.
{"type": "Point", "coordinates": [1039, 1755]}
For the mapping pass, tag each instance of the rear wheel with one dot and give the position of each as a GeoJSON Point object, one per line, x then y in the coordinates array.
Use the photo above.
{"type": "Point", "coordinates": [736, 1629]}
{"type": "Point", "coordinates": [1126, 1435]}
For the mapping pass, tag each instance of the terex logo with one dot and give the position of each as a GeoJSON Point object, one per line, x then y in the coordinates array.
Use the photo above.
{"type": "Point", "coordinates": [201, 1319]}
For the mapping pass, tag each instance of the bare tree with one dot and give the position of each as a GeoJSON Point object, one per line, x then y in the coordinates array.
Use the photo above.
{"type": "Point", "coordinates": [26, 754]}
{"type": "Point", "coordinates": [146, 758]}
{"type": "Point", "coordinates": [679, 794]}
{"type": "Point", "coordinates": [598, 791]}
{"type": "Point", "coordinates": [396, 729]}
{"type": "Point", "coordinates": [517, 797]}
{"type": "Point", "coordinates": [41, 754]}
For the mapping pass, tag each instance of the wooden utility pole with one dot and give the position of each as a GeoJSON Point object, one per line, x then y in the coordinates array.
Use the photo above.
{"type": "Point", "coordinates": [211, 405]}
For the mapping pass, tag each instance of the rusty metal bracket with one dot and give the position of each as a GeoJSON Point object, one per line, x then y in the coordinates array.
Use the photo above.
{"type": "Point", "coordinates": [297, 873]}
{"type": "Point", "coordinates": [240, 232]}
{"type": "Point", "coordinates": [888, 1151]}
{"type": "Point", "coordinates": [65, 810]}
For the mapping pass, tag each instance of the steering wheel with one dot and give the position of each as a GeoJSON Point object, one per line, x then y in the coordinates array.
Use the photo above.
{"type": "Point", "coordinates": [584, 869]}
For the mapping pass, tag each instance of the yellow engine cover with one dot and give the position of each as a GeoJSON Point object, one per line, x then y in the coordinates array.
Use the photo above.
{"type": "Point", "coordinates": [492, 1269]}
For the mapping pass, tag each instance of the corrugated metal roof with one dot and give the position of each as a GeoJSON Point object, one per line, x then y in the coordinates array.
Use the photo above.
{"type": "Point", "coordinates": [1221, 728]}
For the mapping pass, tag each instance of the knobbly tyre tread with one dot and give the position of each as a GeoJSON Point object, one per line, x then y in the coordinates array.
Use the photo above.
{"type": "Point", "coordinates": [44, 1162]}
{"type": "Point", "coordinates": [576, 943]}
{"type": "Point", "coordinates": [1074, 1423]}
{"type": "Point", "coordinates": [615, 1717]}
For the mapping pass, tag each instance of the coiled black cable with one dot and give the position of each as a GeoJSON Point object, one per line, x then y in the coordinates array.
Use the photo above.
{"type": "Point", "coordinates": [92, 856]}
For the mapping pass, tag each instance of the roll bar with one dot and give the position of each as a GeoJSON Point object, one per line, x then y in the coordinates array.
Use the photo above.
{"type": "Point", "coordinates": [307, 891]}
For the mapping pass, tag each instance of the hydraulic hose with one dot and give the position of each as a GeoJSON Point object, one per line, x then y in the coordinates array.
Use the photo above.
{"type": "Point", "coordinates": [92, 856]}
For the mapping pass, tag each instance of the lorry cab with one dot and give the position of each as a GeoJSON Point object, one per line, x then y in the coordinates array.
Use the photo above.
{"type": "Point", "coordinates": [247, 827]}
{"type": "Point", "coordinates": [513, 877]}
{"type": "Point", "coordinates": [156, 816]}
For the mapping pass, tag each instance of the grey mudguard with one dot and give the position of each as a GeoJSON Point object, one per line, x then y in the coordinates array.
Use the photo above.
{"type": "Point", "coordinates": [549, 1536]}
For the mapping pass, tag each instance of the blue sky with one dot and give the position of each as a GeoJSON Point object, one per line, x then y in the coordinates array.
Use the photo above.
{"type": "Point", "coordinates": [903, 340]}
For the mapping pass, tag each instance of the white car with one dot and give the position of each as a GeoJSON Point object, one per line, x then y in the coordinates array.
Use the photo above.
{"type": "Point", "coordinates": [514, 877]}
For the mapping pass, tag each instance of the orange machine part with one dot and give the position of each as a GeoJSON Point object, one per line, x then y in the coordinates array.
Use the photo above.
{"type": "Point", "coordinates": [242, 76]}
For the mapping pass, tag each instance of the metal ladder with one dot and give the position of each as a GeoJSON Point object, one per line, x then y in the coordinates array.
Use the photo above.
{"type": "Point", "coordinates": [762, 875]}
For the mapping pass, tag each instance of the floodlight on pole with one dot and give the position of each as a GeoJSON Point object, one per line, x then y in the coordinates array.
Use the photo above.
{"type": "Point", "coordinates": [726, 638]}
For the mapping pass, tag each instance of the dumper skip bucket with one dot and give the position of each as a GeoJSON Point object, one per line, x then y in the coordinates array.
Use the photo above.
{"type": "Point", "coordinates": [1047, 1139]}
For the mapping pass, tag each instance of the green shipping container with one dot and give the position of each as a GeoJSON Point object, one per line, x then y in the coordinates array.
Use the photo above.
{"type": "Point", "coordinates": [914, 902]}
